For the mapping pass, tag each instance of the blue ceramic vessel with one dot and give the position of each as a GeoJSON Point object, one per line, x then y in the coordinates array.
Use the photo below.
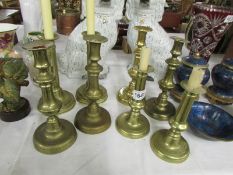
{"type": "Point", "coordinates": [184, 70]}
{"type": "Point", "coordinates": [210, 121]}
{"type": "Point", "coordinates": [222, 89]}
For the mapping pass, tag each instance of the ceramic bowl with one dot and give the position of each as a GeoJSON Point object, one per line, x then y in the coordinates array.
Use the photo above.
{"type": "Point", "coordinates": [7, 35]}
{"type": "Point", "coordinates": [209, 121]}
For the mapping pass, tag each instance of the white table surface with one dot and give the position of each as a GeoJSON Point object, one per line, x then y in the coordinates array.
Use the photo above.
{"type": "Point", "coordinates": [108, 153]}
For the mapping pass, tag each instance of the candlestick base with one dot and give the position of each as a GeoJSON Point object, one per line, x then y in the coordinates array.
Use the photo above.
{"type": "Point", "coordinates": [92, 123]}
{"type": "Point", "coordinates": [153, 110]}
{"type": "Point", "coordinates": [176, 151]}
{"type": "Point", "coordinates": [54, 136]}
{"type": "Point", "coordinates": [66, 98]}
{"type": "Point", "coordinates": [82, 91]}
{"type": "Point", "coordinates": [134, 130]}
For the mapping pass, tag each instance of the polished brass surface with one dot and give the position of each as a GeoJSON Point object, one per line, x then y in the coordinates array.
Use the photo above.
{"type": "Point", "coordinates": [162, 146]}
{"type": "Point", "coordinates": [55, 135]}
{"type": "Point", "coordinates": [82, 90]}
{"type": "Point", "coordinates": [133, 124]}
{"type": "Point", "coordinates": [125, 93]}
{"type": "Point", "coordinates": [160, 108]}
{"type": "Point", "coordinates": [169, 145]}
{"type": "Point", "coordinates": [141, 42]}
{"type": "Point", "coordinates": [176, 93]}
{"type": "Point", "coordinates": [93, 119]}
{"type": "Point", "coordinates": [67, 99]}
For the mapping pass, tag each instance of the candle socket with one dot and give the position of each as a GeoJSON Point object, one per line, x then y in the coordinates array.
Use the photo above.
{"type": "Point", "coordinates": [93, 119]}
{"type": "Point", "coordinates": [133, 124]}
{"type": "Point", "coordinates": [169, 145]}
{"type": "Point", "coordinates": [55, 135]}
{"type": "Point", "coordinates": [125, 93]}
{"type": "Point", "coordinates": [66, 98]}
{"type": "Point", "coordinates": [159, 107]}
{"type": "Point", "coordinates": [81, 93]}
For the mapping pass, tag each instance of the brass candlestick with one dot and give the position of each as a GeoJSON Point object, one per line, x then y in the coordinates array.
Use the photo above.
{"type": "Point", "coordinates": [133, 124]}
{"type": "Point", "coordinates": [125, 93]}
{"type": "Point", "coordinates": [65, 97]}
{"type": "Point", "coordinates": [55, 135]}
{"type": "Point", "coordinates": [169, 145]}
{"type": "Point", "coordinates": [93, 119]}
{"type": "Point", "coordinates": [160, 108]}
{"type": "Point", "coordinates": [81, 93]}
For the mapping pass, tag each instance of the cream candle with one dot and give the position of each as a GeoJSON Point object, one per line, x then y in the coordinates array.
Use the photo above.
{"type": "Point", "coordinates": [47, 19]}
{"type": "Point", "coordinates": [195, 78]}
{"type": "Point", "coordinates": [90, 10]}
{"type": "Point", "coordinates": [144, 61]}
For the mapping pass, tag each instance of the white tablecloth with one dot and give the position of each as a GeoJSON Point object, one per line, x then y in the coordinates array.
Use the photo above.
{"type": "Point", "coordinates": [108, 153]}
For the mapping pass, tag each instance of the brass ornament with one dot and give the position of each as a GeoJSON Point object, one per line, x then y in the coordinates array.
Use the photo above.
{"type": "Point", "coordinates": [93, 119]}
{"type": "Point", "coordinates": [55, 135]}
{"type": "Point", "coordinates": [67, 98]}
{"type": "Point", "coordinates": [169, 145]}
{"type": "Point", "coordinates": [133, 124]}
{"type": "Point", "coordinates": [159, 107]}
{"type": "Point", "coordinates": [81, 93]}
{"type": "Point", "coordinates": [125, 93]}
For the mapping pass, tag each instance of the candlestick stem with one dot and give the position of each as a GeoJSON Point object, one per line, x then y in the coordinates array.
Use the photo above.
{"type": "Point", "coordinates": [125, 93]}
{"type": "Point", "coordinates": [169, 145]}
{"type": "Point", "coordinates": [133, 124]}
{"type": "Point", "coordinates": [67, 99]}
{"type": "Point", "coordinates": [55, 135]}
{"type": "Point", "coordinates": [159, 107]}
{"type": "Point", "coordinates": [93, 119]}
{"type": "Point", "coordinates": [141, 42]}
{"type": "Point", "coordinates": [81, 93]}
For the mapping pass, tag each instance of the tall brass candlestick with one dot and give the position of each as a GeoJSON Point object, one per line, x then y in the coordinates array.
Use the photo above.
{"type": "Point", "coordinates": [81, 93]}
{"type": "Point", "coordinates": [55, 135]}
{"type": "Point", "coordinates": [125, 93]}
{"type": "Point", "coordinates": [133, 124]}
{"type": "Point", "coordinates": [67, 99]}
{"type": "Point", "coordinates": [93, 119]}
{"type": "Point", "coordinates": [169, 145]}
{"type": "Point", "coordinates": [160, 108]}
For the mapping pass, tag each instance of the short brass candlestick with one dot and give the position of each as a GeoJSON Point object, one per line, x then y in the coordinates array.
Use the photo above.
{"type": "Point", "coordinates": [55, 135]}
{"type": "Point", "coordinates": [65, 97]}
{"type": "Point", "coordinates": [160, 108]}
{"type": "Point", "coordinates": [81, 93]}
{"type": "Point", "coordinates": [125, 93]}
{"type": "Point", "coordinates": [169, 145]}
{"type": "Point", "coordinates": [133, 124]}
{"type": "Point", "coordinates": [93, 119]}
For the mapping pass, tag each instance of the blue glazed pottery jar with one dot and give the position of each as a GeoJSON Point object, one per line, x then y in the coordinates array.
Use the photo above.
{"type": "Point", "coordinates": [184, 70]}
{"type": "Point", "coordinates": [222, 75]}
{"type": "Point", "coordinates": [221, 92]}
